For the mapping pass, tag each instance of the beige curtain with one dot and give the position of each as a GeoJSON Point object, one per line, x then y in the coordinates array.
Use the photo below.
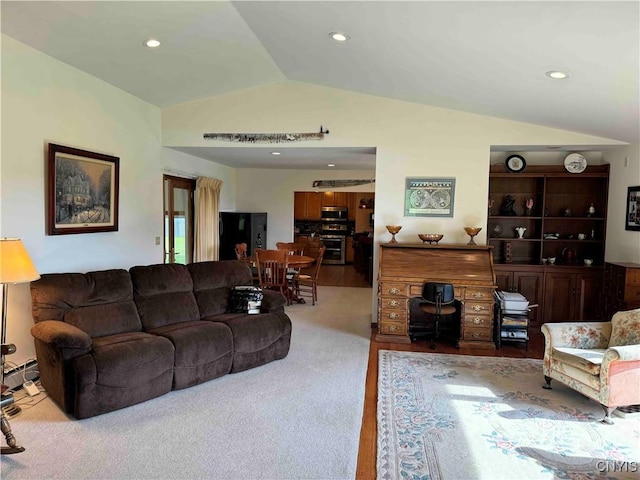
{"type": "Point", "coordinates": [206, 242]}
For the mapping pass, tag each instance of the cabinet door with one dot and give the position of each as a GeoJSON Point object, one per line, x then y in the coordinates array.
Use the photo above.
{"type": "Point", "coordinates": [314, 205]}
{"type": "Point", "coordinates": [300, 205]}
{"type": "Point", "coordinates": [530, 285]}
{"type": "Point", "coordinates": [349, 250]}
{"type": "Point", "coordinates": [504, 281]}
{"type": "Point", "coordinates": [559, 295]}
{"type": "Point", "coordinates": [588, 297]}
{"type": "Point", "coordinates": [352, 204]}
{"type": "Point", "coordinates": [328, 199]}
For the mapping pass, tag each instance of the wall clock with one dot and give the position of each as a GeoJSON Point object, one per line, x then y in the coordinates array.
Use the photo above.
{"type": "Point", "coordinates": [515, 163]}
{"type": "Point", "coordinates": [575, 163]}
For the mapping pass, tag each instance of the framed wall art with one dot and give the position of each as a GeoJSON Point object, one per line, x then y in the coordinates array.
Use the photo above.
{"type": "Point", "coordinates": [632, 218]}
{"type": "Point", "coordinates": [429, 197]}
{"type": "Point", "coordinates": [82, 192]}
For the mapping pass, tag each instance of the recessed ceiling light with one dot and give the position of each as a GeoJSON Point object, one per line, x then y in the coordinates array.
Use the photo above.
{"type": "Point", "coordinates": [556, 74]}
{"type": "Point", "coordinates": [152, 43]}
{"type": "Point", "coordinates": [331, 165]}
{"type": "Point", "coordinates": [275, 153]}
{"type": "Point", "coordinates": [339, 36]}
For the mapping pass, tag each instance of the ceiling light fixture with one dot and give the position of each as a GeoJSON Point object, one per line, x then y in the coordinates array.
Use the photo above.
{"type": "Point", "coordinates": [331, 165]}
{"type": "Point", "coordinates": [275, 153]}
{"type": "Point", "coordinates": [339, 36]}
{"type": "Point", "coordinates": [558, 75]}
{"type": "Point", "coordinates": [152, 43]}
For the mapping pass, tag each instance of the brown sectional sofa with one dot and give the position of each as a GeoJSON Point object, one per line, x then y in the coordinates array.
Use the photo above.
{"type": "Point", "coordinates": [110, 339]}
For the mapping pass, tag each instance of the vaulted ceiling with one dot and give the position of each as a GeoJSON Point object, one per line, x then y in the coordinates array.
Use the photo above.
{"type": "Point", "coordinates": [482, 57]}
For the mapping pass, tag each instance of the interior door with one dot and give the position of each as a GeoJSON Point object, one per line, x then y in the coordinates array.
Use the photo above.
{"type": "Point", "coordinates": [178, 219]}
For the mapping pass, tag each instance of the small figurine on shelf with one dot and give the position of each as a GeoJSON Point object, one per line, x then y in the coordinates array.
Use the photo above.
{"type": "Point", "coordinates": [592, 210]}
{"type": "Point", "coordinates": [490, 205]}
{"type": "Point", "coordinates": [507, 207]}
{"type": "Point", "coordinates": [529, 206]}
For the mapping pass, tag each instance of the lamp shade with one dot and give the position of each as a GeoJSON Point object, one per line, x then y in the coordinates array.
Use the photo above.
{"type": "Point", "coordinates": [15, 264]}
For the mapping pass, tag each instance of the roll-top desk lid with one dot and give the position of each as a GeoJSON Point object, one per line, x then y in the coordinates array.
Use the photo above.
{"type": "Point", "coordinates": [447, 263]}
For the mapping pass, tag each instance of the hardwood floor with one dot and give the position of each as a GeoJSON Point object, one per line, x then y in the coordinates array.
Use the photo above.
{"type": "Point", "coordinates": [366, 468]}
{"type": "Point", "coordinates": [346, 276]}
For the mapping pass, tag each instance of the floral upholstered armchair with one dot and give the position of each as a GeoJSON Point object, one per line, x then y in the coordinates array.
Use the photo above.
{"type": "Point", "coordinates": [598, 359]}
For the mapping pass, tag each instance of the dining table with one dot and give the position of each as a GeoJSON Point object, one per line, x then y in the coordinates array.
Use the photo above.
{"type": "Point", "coordinates": [293, 261]}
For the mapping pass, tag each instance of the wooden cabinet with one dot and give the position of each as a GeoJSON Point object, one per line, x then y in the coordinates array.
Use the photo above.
{"type": "Point", "coordinates": [621, 288]}
{"type": "Point", "coordinates": [526, 280]}
{"type": "Point", "coordinates": [564, 207]}
{"type": "Point", "coordinates": [405, 267]}
{"type": "Point", "coordinates": [572, 295]}
{"type": "Point", "coordinates": [349, 250]}
{"type": "Point", "coordinates": [307, 205]}
{"type": "Point", "coordinates": [566, 220]}
{"type": "Point", "coordinates": [335, 199]}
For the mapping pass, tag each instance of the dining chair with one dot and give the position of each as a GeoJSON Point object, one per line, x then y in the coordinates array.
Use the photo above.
{"type": "Point", "coordinates": [307, 284]}
{"type": "Point", "coordinates": [272, 271]}
{"type": "Point", "coordinates": [292, 248]}
{"type": "Point", "coordinates": [241, 251]}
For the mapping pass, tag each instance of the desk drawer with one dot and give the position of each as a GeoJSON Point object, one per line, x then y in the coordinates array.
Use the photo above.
{"type": "Point", "coordinates": [475, 333]}
{"type": "Point", "coordinates": [393, 315]}
{"type": "Point", "coordinates": [392, 328]}
{"type": "Point", "coordinates": [393, 289]}
{"type": "Point", "coordinates": [478, 308]}
{"type": "Point", "coordinates": [477, 320]}
{"type": "Point", "coordinates": [479, 294]}
{"type": "Point", "coordinates": [393, 302]}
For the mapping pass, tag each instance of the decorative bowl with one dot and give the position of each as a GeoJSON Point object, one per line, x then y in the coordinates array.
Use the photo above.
{"type": "Point", "coordinates": [430, 237]}
{"type": "Point", "coordinates": [393, 229]}
{"type": "Point", "coordinates": [472, 231]}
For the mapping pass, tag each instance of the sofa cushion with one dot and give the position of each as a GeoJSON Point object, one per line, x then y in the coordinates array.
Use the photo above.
{"type": "Point", "coordinates": [252, 333]}
{"type": "Point", "coordinates": [203, 350]}
{"type": "Point", "coordinates": [587, 360]}
{"type": "Point", "coordinates": [99, 303]}
{"type": "Point", "coordinates": [625, 328]}
{"type": "Point", "coordinates": [163, 295]}
{"type": "Point", "coordinates": [130, 359]}
{"type": "Point", "coordinates": [212, 283]}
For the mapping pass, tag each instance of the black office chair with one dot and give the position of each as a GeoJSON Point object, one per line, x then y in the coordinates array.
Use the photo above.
{"type": "Point", "coordinates": [439, 301]}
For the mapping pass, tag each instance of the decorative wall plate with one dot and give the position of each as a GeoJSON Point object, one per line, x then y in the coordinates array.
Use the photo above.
{"type": "Point", "coordinates": [575, 163]}
{"type": "Point", "coordinates": [515, 163]}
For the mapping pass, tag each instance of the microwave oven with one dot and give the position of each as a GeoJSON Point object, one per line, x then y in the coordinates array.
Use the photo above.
{"type": "Point", "coordinates": [334, 214]}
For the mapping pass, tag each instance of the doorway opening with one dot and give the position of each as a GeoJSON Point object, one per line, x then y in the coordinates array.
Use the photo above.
{"type": "Point", "coordinates": [178, 219]}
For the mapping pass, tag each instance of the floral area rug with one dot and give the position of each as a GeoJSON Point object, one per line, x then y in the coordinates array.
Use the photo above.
{"type": "Point", "coordinates": [463, 417]}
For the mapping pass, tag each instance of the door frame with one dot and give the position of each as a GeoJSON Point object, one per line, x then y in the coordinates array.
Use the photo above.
{"type": "Point", "coordinates": [170, 182]}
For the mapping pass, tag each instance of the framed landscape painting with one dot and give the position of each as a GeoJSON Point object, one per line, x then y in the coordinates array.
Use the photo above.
{"type": "Point", "coordinates": [82, 191]}
{"type": "Point", "coordinates": [429, 197]}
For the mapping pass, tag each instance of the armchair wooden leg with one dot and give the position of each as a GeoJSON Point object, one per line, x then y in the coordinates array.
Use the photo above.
{"type": "Point", "coordinates": [11, 440]}
{"type": "Point", "coordinates": [548, 384]}
{"type": "Point", "coordinates": [607, 414]}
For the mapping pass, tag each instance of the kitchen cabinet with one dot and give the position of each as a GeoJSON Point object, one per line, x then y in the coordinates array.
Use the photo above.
{"type": "Point", "coordinates": [572, 295]}
{"type": "Point", "coordinates": [335, 199]}
{"type": "Point", "coordinates": [621, 287]}
{"type": "Point", "coordinates": [349, 250]}
{"type": "Point", "coordinates": [307, 205]}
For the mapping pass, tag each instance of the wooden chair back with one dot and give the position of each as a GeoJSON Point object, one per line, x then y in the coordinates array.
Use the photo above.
{"type": "Point", "coordinates": [241, 251]}
{"type": "Point", "coordinates": [272, 270]}
{"type": "Point", "coordinates": [291, 247]}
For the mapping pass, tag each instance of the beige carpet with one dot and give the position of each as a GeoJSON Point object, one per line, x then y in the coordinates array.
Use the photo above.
{"type": "Point", "coordinates": [297, 418]}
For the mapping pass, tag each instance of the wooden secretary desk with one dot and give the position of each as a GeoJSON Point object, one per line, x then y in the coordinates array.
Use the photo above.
{"type": "Point", "coordinates": [405, 267]}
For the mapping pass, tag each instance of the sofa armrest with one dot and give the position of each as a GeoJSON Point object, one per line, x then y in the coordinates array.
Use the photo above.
{"type": "Point", "coordinates": [620, 376]}
{"type": "Point", "coordinates": [272, 301]}
{"type": "Point", "coordinates": [61, 335]}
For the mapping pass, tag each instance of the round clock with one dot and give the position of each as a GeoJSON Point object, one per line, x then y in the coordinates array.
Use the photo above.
{"type": "Point", "coordinates": [515, 163]}
{"type": "Point", "coordinates": [575, 163]}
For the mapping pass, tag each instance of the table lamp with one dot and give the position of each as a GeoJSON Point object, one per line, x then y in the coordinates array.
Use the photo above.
{"type": "Point", "coordinates": [15, 267]}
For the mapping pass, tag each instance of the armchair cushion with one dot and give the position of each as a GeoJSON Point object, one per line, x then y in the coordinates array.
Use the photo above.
{"type": "Point", "coordinates": [588, 361]}
{"type": "Point", "coordinates": [625, 328]}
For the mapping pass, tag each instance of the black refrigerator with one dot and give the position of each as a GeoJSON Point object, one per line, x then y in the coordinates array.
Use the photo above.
{"type": "Point", "coordinates": [238, 227]}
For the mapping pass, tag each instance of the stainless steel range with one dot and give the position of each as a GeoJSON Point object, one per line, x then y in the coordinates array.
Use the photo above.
{"type": "Point", "coordinates": [334, 234]}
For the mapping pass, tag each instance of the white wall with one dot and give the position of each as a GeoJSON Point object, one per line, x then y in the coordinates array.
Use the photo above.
{"type": "Point", "coordinates": [411, 140]}
{"type": "Point", "coordinates": [44, 100]}
{"type": "Point", "coordinates": [622, 245]}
